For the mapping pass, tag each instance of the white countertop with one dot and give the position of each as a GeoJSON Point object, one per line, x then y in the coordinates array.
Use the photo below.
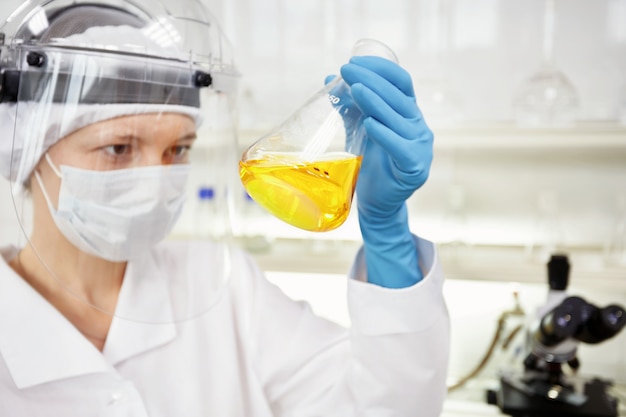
{"type": "Point", "coordinates": [470, 400]}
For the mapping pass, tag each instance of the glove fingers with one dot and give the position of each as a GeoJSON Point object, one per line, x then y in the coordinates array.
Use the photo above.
{"type": "Point", "coordinates": [412, 157]}
{"type": "Point", "coordinates": [396, 91]}
{"type": "Point", "coordinates": [388, 70]}
{"type": "Point", "coordinates": [372, 105]}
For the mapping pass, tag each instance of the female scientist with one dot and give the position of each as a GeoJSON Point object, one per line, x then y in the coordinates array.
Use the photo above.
{"type": "Point", "coordinates": [100, 315]}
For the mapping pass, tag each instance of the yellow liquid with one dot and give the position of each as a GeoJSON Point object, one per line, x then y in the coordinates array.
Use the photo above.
{"type": "Point", "coordinates": [313, 196]}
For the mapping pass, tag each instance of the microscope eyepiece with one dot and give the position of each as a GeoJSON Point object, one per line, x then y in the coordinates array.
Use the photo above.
{"type": "Point", "coordinates": [562, 322]}
{"type": "Point", "coordinates": [602, 324]}
{"type": "Point", "coordinates": [577, 319]}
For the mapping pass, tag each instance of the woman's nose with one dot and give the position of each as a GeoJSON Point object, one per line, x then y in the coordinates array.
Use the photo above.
{"type": "Point", "coordinates": [155, 157]}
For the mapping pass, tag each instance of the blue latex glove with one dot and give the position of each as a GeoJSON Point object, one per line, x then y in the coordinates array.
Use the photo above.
{"type": "Point", "coordinates": [396, 162]}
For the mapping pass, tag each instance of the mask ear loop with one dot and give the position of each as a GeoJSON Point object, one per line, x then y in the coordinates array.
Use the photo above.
{"type": "Point", "coordinates": [54, 168]}
{"type": "Point", "coordinates": [43, 188]}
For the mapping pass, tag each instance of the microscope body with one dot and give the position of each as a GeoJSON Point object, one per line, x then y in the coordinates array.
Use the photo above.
{"type": "Point", "coordinates": [543, 389]}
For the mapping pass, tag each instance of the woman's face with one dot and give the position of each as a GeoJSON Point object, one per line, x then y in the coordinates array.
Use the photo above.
{"type": "Point", "coordinates": [123, 142]}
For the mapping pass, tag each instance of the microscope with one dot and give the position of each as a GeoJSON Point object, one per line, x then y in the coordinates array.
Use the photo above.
{"type": "Point", "coordinates": [543, 389]}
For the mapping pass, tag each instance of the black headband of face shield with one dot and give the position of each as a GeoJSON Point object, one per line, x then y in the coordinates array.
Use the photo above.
{"type": "Point", "coordinates": [141, 84]}
{"type": "Point", "coordinates": [167, 87]}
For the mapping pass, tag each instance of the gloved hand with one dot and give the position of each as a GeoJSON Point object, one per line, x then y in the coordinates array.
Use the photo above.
{"type": "Point", "coordinates": [396, 162]}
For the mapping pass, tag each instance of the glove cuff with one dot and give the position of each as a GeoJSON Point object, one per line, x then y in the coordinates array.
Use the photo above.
{"type": "Point", "coordinates": [391, 254]}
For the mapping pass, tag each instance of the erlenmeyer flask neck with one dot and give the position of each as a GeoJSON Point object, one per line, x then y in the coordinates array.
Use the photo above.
{"type": "Point", "coordinates": [373, 47]}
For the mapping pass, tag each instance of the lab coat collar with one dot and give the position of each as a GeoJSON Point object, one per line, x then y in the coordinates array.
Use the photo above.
{"type": "Point", "coordinates": [37, 342]}
{"type": "Point", "coordinates": [40, 345]}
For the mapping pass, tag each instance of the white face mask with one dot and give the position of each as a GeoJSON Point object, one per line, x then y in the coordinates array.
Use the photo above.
{"type": "Point", "coordinates": [120, 214]}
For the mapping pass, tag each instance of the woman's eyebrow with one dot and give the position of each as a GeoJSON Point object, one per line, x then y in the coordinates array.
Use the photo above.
{"type": "Point", "coordinates": [133, 136]}
{"type": "Point", "coordinates": [189, 136]}
{"type": "Point", "coordinates": [100, 140]}
{"type": "Point", "coordinates": [121, 133]}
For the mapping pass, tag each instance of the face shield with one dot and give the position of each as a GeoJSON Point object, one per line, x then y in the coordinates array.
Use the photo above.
{"type": "Point", "coordinates": [114, 114]}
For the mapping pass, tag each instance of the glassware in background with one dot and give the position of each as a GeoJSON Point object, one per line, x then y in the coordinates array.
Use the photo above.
{"type": "Point", "coordinates": [438, 98]}
{"type": "Point", "coordinates": [455, 218]}
{"type": "Point", "coordinates": [615, 251]}
{"type": "Point", "coordinates": [208, 213]}
{"type": "Point", "coordinates": [439, 101]}
{"type": "Point", "coordinates": [305, 171]}
{"type": "Point", "coordinates": [547, 98]}
{"type": "Point", "coordinates": [547, 236]}
{"type": "Point", "coordinates": [454, 242]}
{"type": "Point", "coordinates": [621, 109]}
{"type": "Point", "coordinates": [210, 220]}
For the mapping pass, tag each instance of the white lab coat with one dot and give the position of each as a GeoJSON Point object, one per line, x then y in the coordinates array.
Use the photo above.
{"type": "Point", "coordinates": [256, 353]}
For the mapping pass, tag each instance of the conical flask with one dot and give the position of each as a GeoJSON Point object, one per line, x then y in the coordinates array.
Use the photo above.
{"type": "Point", "coordinates": [305, 171]}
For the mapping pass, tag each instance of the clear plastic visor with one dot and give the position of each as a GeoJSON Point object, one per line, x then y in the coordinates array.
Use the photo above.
{"type": "Point", "coordinates": [105, 161]}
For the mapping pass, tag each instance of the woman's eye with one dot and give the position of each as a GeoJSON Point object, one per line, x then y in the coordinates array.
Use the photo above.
{"type": "Point", "coordinates": [179, 151]}
{"type": "Point", "coordinates": [117, 150]}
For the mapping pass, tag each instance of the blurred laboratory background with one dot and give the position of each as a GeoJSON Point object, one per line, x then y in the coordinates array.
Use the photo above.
{"type": "Point", "coordinates": [527, 100]}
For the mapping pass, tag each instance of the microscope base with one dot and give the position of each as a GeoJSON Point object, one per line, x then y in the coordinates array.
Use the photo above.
{"type": "Point", "coordinates": [519, 398]}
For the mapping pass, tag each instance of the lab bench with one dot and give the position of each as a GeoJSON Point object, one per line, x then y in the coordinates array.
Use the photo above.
{"type": "Point", "coordinates": [471, 400]}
